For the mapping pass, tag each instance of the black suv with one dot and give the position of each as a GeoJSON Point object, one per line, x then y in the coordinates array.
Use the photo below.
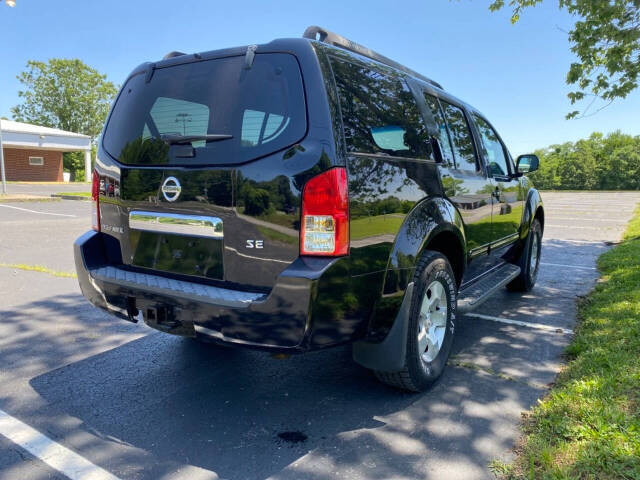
{"type": "Point", "coordinates": [303, 194]}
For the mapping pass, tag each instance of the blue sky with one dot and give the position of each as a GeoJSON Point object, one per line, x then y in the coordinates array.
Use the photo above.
{"type": "Point", "coordinates": [514, 74]}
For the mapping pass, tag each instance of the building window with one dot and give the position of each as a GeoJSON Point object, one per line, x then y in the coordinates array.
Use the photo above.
{"type": "Point", "coordinates": [36, 161]}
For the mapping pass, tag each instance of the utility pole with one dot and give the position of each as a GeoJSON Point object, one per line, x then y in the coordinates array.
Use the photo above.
{"type": "Point", "coordinates": [184, 118]}
{"type": "Point", "coordinates": [11, 3]}
{"type": "Point", "coordinates": [4, 180]}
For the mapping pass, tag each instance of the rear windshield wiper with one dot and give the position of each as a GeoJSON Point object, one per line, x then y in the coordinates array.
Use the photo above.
{"type": "Point", "coordinates": [182, 139]}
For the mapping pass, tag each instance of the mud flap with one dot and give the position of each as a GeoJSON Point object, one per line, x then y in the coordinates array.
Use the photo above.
{"type": "Point", "coordinates": [388, 355]}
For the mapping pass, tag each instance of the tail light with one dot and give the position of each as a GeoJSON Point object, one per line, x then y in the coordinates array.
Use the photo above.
{"type": "Point", "coordinates": [95, 200]}
{"type": "Point", "coordinates": [325, 215]}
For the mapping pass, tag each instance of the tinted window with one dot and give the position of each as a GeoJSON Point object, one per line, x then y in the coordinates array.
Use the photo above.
{"type": "Point", "coordinates": [443, 136]}
{"type": "Point", "coordinates": [261, 127]}
{"type": "Point", "coordinates": [263, 108]}
{"type": "Point", "coordinates": [460, 137]}
{"type": "Point", "coordinates": [492, 148]}
{"type": "Point", "coordinates": [391, 137]}
{"type": "Point", "coordinates": [379, 113]}
{"type": "Point", "coordinates": [177, 117]}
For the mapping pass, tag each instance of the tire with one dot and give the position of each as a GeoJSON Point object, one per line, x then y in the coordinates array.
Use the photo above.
{"type": "Point", "coordinates": [529, 261]}
{"type": "Point", "coordinates": [433, 279]}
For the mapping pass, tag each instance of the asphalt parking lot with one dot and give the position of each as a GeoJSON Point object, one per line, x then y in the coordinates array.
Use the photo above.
{"type": "Point", "coordinates": [46, 189]}
{"type": "Point", "coordinates": [121, 401]}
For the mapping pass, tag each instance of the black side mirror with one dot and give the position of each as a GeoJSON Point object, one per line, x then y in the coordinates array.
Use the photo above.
{"type": "Point", "coordinates": [527, 163]}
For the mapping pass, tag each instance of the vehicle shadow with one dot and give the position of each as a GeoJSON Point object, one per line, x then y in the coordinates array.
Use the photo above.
{"type": "Point", "coordinates": [244, 414]}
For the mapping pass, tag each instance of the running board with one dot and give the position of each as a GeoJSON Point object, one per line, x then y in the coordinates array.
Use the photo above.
{"type": "Point", "coordinates": [476, 293]}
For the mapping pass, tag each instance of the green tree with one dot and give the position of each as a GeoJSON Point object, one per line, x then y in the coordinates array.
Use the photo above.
{"type": "Point", "coordinates": [73, 162]}
{"type": "Point", "coordinates": [543, 178]}
{"type": "Point", "coordinates": [547, 178]}
{"type": "Point", "coordinates": [577, 172]}
{"type": "Point", "coordinates": [257, 201]}
{"type": "Point", "coordinates": [620, 165]}
{"type": "Point", "coordinates": [606, 41]}
{"type": "Point", "coordinates": [66, 94]}
{"type": "Point", "coordinates": [594, 163]}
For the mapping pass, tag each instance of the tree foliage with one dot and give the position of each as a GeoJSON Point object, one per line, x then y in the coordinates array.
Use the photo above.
{"type": "Point", "coordinates": [595, 163]}
{"type": "Point", "coordinates": [64, 94]}
{"type": "Point", "coordinates": [606, 42]}
{"type": "Point", "coordinates": [73, 162]}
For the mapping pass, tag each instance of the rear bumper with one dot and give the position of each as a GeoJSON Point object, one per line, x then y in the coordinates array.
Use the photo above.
{"type": "Point", "coordinates": [279, 320]}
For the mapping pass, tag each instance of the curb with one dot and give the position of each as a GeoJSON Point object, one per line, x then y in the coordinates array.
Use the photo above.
{"type": "Point", "coordinates": [71, 197]}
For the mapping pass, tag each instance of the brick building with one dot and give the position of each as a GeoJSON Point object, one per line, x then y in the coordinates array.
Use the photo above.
{"type": "Point", "coordinates": [34, 153]}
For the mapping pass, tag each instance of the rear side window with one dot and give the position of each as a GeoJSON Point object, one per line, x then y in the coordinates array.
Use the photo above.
{"type": "Point", "coordinates": [261, 108]}
{"type": "Point", "coordinates": [443, 136]}
{"type": "Point", "coordinates": [379, 113]}
{"type": "Point", "coordinates": [460, 137]}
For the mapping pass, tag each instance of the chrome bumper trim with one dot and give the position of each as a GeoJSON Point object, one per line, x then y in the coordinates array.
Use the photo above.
{"type": "Point", "coordinates": [181, 289]}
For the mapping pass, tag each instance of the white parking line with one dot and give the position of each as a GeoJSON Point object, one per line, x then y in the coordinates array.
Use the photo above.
{"type": "Point", "coordinates": [594, 206]}
{"type": "Point", "coordinates": [35, 211]}
{"type": "Point", "coordinates": [256, 258]}
{"type": "Point", "coordinates": [589, 219]}
{"type": "Point", "coordinates": [53, 454]}
{"type": "Point", "coordinates": [567, 266]}
{"type": "Point", "coordinates": [570, 240]}
{"type": "Point", "coordinates": [537, 326]}
{"type": "Point", "coordinates": [551, 225]}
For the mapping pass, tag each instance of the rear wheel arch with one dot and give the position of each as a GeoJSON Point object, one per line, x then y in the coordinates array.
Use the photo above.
{"type": "Point", "coordinates": [447, 236]}
{"type": "Point", "coordinates": [433, 227]}
{"type": "Point", "coordinates": [433, 224]}
{"type": "Point", "coordinates": [449, 244]}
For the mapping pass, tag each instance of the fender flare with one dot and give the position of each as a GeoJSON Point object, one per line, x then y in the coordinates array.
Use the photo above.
{"type": "Point", "coordinates": [532, 204]}
{"type": "Point", "coordinates": [428, 219]}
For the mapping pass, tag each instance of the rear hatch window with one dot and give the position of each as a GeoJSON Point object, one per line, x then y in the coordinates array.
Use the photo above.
{"type": "Point", "coordinates": [209, 112]}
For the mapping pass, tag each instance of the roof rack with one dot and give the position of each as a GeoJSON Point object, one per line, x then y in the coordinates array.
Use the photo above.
{"type": "Point", "coordinates": [173, 54]}
{"type": "Point", "coordinates": [327, 36]}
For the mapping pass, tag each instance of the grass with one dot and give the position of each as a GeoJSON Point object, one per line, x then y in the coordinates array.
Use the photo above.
{"type": "Point", "coordinates": [75, 194]}
{"type": "Point", "coordinates": [38, 268]}
{"type": "Point", "coordinates": [272, 234]}
{"type": "Point", "coordinates": [371, 226]}
{"type": "Point", "coordinates": [587, 191]}
{"type": "Point", "coordinates": [588, 426]}
{"type": "Point", "coordinates": [25, 198]}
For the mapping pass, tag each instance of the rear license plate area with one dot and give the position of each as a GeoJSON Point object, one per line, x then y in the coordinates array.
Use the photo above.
{"type": "Point", "coordinates": [181, 244]}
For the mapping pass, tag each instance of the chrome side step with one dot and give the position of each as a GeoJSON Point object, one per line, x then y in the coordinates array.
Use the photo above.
{"type": "Point", "coordinates": [476, 293]}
